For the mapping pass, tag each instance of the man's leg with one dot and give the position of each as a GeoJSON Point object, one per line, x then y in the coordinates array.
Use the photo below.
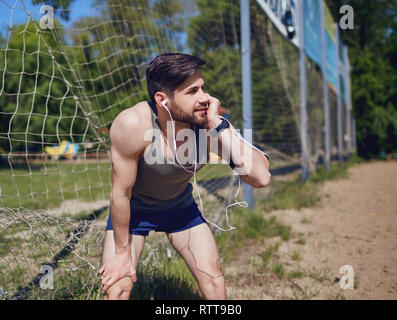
{"type": "Point", "coordinates": [198, 248]}
{"type": "Point", "coordinates": [121, 290]}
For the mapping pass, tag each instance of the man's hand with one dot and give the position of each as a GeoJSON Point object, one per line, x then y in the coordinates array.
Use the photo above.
{"type": "Point", "coordinates": [212, 112]}
{"type": "Point", "coordinates": [119, 266]}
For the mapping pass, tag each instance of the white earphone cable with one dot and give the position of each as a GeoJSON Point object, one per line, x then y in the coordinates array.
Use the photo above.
{"type": "Point", "coordinates": [243, 204]}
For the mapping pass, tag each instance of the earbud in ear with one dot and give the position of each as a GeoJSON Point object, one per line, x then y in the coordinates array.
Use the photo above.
{"type": "Point", "coordinates": [163, 103]}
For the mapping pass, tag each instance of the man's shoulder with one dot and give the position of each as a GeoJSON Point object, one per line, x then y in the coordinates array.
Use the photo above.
{"type": "Point", "coordinates": [131, 124]}
{"type": "Point", "coordinates": [133, 119]}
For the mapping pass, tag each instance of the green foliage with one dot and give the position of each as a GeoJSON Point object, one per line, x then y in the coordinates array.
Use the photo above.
{"type": "Point", "coordinates": [374, 84]}
{"type": "Point", "coordinates": [34, 101]}
{"type": "Point", "coordinates": [59, 85]}
{"type": "Point", "coordinates": [104, 63]}
{"type": "Point", "coordinates": [102, 59]}
{"type": "Point", "coordinates": [214, 35]}
{"type": "Point", "coordinates": [373, 55]}
{"type": "Point", "coordinates": [60, 6]}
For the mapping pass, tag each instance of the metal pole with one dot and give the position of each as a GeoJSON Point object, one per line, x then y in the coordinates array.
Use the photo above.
{"type": "Point", "coordinates": [246, 85]}
{"type": "Point", "coordinates": [338, 97]}
{"type": "Point", "coordinates": [353, 128]}
{"type": "Point", "coordinates": [303, 110]}
{"type": "Point", "coordinates": [325, 88]}
{"type": "Point", "coordinates": [354, 136]}
{"type": "Point", "coordinates": [348, 99]}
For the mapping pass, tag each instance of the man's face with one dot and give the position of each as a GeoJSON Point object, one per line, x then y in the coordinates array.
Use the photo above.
{"type": "Point", "coordinates": [190, 101]}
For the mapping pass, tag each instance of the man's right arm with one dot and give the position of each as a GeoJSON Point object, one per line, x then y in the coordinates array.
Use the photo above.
{"type": "Point", "coordinates": [126, 145]}
{"type": "Point", "coordinates": [124, 156]}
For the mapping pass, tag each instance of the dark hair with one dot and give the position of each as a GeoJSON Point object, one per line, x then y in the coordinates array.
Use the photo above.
{"type": "Point", "coordinates": [169, 70]}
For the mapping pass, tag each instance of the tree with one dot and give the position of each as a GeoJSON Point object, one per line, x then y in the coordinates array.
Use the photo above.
{"type": "Point", "coordinates": [110, 52]}
{"type": "Point", "coordinates": [60, 6]}
{"type": "Point", "coordinates": [37, 107]}
{"type": "Point", "coordinates": [373, 55]}
{"type": "Point", "coordinates": [214, 34]}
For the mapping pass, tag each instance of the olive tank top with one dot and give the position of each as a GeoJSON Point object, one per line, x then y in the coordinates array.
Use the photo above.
{"type": "Point", "coordinates": [162, 185]}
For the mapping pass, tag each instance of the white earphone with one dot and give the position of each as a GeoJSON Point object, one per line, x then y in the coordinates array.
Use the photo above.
{"type": "Point", "coordinates": [164, 104]}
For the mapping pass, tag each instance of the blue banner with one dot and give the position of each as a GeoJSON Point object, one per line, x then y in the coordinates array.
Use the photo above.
{"type": "Point", "coordinates": [331, 52]}
{"type": "Point", "coordinates": [342, 90]}
{"type": "Point", "coordinates": [312, 30]}
{"type": "Point", "coordinates": [341, 53]}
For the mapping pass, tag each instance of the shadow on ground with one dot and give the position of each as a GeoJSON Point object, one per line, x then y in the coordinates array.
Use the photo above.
{"type": "Point", "coordinates": [161, 287]}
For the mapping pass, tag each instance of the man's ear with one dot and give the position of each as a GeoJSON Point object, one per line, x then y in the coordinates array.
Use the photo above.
{"type": "Point", "coordinates": [160, 97]}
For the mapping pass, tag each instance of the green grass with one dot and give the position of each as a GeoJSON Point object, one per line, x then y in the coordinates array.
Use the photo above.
{"type": "Point", "coordinates": [296, 274]}
{"type": "Point", "coordinates": [278, 269]}
{"type": "Point", "coordinates": [152, 285]}
{"type": "Point", "coordinates": [320, 275]}
{"type": "Point", "coordinates": [301, 240]}
{"type": "Point", "coordinates": [48, 185]}
{"type": "Point", "coordinates": [268, 254]}
{"type": "Point", "coordinates": [296, 255]}
{"type": "Point", "coordinates": [290, 195]}
{"type": "Point", "coordinates": [298, 194]}
{"type": "Point", "coordinates": [84, 215]}
{"type": "Point", "coordinates": [338, 170]}
{"type": "Point", "coordinates": [9, 243]}
{"type": "Point", "coordinates": [164, 277]}
{"type": "Point", "coordinates": [250, 225]}
{"type": "Point", "coordinates": [213, 171]}
{"type": "Point", "coordinates": [42, 186]}
{"type": "Point", "coordinates": [306, 220]}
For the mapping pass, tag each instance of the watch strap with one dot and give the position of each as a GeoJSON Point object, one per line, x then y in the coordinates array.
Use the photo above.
{"type": "Point", "coordinates": [222, 126]}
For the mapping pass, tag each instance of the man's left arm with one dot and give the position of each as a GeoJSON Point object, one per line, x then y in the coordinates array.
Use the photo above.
{"type": "Point", "coordinates": [251, 164]}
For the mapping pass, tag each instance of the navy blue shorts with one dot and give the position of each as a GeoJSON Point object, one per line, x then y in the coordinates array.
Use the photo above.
{"type": "Point", "coordinates": [173, 220]}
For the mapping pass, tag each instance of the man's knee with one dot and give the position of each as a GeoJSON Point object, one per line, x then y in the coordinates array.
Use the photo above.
{"type": "Point", "coordinates": [121, 290]}
{"type": "Point", "coordinates": [214, 284]}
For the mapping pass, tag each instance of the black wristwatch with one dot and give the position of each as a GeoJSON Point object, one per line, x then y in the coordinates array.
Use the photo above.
{"type": "Point", "coordinates": [217, 131]}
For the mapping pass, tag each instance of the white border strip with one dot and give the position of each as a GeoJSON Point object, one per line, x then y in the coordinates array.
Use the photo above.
{"type": "Point", "coordinates": [276, 19]}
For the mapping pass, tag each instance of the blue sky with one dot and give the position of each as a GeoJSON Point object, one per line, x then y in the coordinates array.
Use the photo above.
{"type": "Point", "coordinates": [13, 12]}
{"type": "Point", "coordinates": [78, 9]}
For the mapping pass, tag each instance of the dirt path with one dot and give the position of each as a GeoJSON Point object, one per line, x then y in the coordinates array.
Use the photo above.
{"type": "Point", "coordinates": [355, 224]}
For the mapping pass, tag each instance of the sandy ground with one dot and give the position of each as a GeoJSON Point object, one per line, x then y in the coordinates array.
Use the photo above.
{"type": "Point", "coordinates": [354, 224]}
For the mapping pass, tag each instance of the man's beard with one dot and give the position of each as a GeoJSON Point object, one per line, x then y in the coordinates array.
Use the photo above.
{"type": "Point", "coordinates": [179, 114]}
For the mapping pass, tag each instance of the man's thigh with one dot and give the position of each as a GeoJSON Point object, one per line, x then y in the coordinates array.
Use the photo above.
{"type": "Point", "coordinates": [198, 248]}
